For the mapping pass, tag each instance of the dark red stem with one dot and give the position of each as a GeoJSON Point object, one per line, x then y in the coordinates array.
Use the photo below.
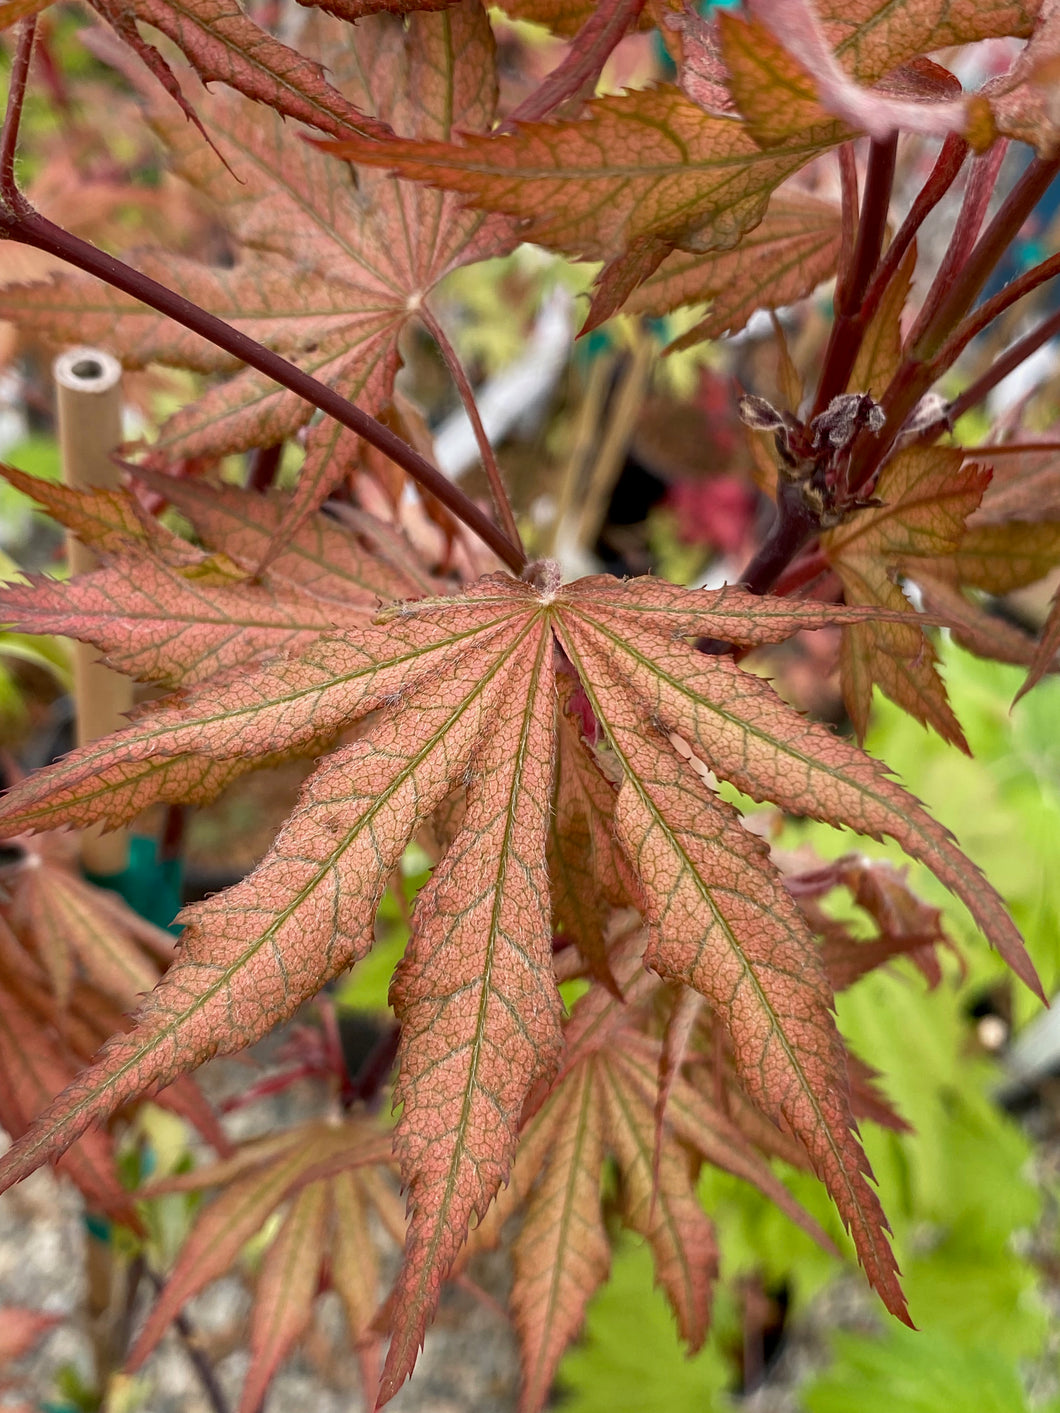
{"type": "Point", "coordinates": [10, 196]}
{"type": "Point", "coordinates": [998, 371]}
{"type": "Point", "coordinates": [33, 229]}
{"type": "Point", "coordinates": [848, 327]}
{"type": "Point", "coordinates": [944, 173]}
{"type": "Point", "coordinates": [982, 180]}
{"type": "Point", "coordinates": [992, 308]}
{"type": "Point", "coordinates": [794, 525]}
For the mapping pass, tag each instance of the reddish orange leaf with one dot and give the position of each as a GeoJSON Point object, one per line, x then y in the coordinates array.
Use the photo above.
{"type": "Point", "coordinates": [794, 248]}
{"type": "Point", "coordinates": [927, 497]}
{"type": "Point", "coordinates": [476, 998]}
{"type": "Point", "coordinates": [224, 44]}
{"type": "Point", "coordinates": [640, 174]}
{"type": "Point", "coordinates": [562, 1253]}
{"type": "Point", "coordinates": [286, 1287]}
{"type": "Point", "coordinates": [459, 694]}
{"type": "Point", "coordinates": [305, 1166]}
{"type": "Point", "coordinates": [327, 274]}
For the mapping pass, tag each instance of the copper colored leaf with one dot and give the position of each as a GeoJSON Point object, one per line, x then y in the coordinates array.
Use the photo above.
{"type": "Point", "coordinates": [1003, 557]}
{"type": "Point", "coordinates": [224, 44]}
{"type": "Point", "coordinates": [164, 624]}
{"type": "Point", "coordinates": [587, 872]}
{"type": "Point", "coordinates": [327, 273]}
{"type": "Point", "coordinates": [562, 1253]}
{"type": "Point", "coordinates": [794, 248]}
{"type": "Point", "coordinates": [286, 1286]}
{"type": "Point", "coordinates": [34, 1067]}
{"type": "Point", "coordinates": [640, 174]}
{"type": "Point", "coordinates": [979, 631]}
{"type": "Point", "coordinates": [356, 558]}
{"type": "Point", "coordinates": [301, 1162]}
{"type": "Point", "coordinates": [476, 998]}
{"type": "Point", "coordinates": [927, 497]}
{"type": "Point", "coordinates": [111, 522]}
{"type": "Point", "coordinates": [457, 696]}
{"type": "Point", "coordinates": [660, 1202]}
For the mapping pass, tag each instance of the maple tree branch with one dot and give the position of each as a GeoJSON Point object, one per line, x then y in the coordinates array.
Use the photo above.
{"type": "Point", "coordinates": [990, 309]}
{"type": "Point", "coordinates": [848, 327]}
{"type": "Point", "coordinates": [921, 366]}
{"type": "Point", "coordinates": [944, 173]}
{"type": "Point", "coordinates": [793, 526]}
{"type": "Point", "coordinates": [998, 371]}
{"type": "Point", "coordinates": [31, 228]}
{"type": "Point", "coordinates": [501, 501]}
{"type": "Point", "coordinates": [10, 196]}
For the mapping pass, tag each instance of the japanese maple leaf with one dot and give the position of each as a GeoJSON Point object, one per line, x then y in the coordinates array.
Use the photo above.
{"type": "Point", "coordinates": [1011, 540]}
{"type": "Point", "coordinates": [330, 1180]}
{"type": "Point", "coordinates": [460, 694]}
{"type": "Point", "coordinates": [643, 173]}
{"type": "Point", "coordinates": [927, 495]}
{"type": "Point", "coordinates": [698, 181]}
{"type": "Point", "coordinates": [164, 611]}
{"type": "Point", "coordinates": [794, 66]}
{"type": "Point", "coordinates": [328, 271]}
{"type": "Point", "coordinates": [794, 248]}
{"type": "Point", "coordinates": [602, 1105]}
{"type": "Point", "coordinates": [75, 929]}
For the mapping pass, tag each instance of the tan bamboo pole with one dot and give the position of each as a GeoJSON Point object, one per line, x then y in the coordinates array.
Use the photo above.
{"type": "Point", "coordinates": [88, 393]}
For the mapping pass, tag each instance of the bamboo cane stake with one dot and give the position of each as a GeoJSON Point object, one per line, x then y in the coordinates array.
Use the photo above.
{"type": "Point", "coordinates": [88, 392]}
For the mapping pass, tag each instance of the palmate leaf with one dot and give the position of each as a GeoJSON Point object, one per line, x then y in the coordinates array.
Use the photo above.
{"type": "Point", "coordinates": [640, 174]}
{"type": "Point", "coordinates": [784, 258]}
{"type": "Point", "coordinates": [328, 1179]}
{"type": "Point", "coordinates": [928, 493]}
{"type": "Point", "coordinates": [328, 272]}
{"type": "Point", "coordinates": [460, 693]}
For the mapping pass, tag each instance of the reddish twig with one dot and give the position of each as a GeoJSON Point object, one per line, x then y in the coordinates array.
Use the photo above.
{"type": "Point", "coordinates": [501, 502]}
{"type": "Point", "coordinates": [992, 308]}
{"type": "Point", "coordinates": [35, 230]}
{"type": "Point", "coordinates": [982, 180]}
{"type": "Point", "coordinates": [944, 173]}
{"type": "Point", "coordinates": [848, 327]}
{"type": "Point", "coordinates": [10, 196]}
{"type": "Point", "coordinates": [998, 371]}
